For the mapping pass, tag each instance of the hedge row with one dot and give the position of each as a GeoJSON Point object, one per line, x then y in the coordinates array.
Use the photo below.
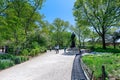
{"type": "Point", "coordinates": [33, 52]}
{"type": "Point", "coordinates": [8, 60]}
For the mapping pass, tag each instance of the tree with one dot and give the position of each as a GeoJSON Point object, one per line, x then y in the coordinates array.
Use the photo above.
{"type": "Point", "coordinates": [82, 33]}
{"type": "Point", "coordinates": [85, 31]}
{"type": "Point", "coordinates": [4, 4]}
{"type": "Point", "coordinates": [100, 14]}
{"type": "Point", "coordinates": [93, 37]}
{"type": "Point", "coordinates": [59, 27]}
{"type": "Point", "coordinates": [19, 19]}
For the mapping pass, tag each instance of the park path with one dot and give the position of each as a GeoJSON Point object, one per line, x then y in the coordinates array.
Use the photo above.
{"type": "Point", "coordinates": [48, 66]}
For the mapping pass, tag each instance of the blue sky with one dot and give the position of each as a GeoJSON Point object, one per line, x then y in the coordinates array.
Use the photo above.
{"type": "Point", "coordinates": [58, 9]}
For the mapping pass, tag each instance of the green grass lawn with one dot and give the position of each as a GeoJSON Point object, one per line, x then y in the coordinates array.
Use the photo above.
{"type": "Point", "coordinates": [110, 61]}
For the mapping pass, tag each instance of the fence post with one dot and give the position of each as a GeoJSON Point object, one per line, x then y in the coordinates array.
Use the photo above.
{"type": "Point", "coordinates": [92, 75]}
{"type": "Point", "coordinates": [103, 72]}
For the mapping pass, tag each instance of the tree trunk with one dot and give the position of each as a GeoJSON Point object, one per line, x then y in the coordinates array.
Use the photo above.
{"type": "Point", "coordinates": [2, 48]}
{"type": "Point", "coordinates": [79, 43]}
{"type": "Point", "coordinates": [103, 41]}
{"type": "Point", "coordinates": [114, 44]}
{"type": "Point", "coordinates": [6, 49]}
{"type": "Point", "coordinates": [79, 39]}
{"type": "Point", "coordinates": [93, 42]}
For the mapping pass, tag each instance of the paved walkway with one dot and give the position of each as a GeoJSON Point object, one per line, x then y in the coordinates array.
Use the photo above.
{"type": "Point", "coordinates": [77, 71]}
{"type": "Point", "coordinates": [48, 66]}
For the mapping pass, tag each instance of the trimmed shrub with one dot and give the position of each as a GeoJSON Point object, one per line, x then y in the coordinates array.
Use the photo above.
{"type": "Point", "coordinates": [35, 44]}
{"type": "Point", "coordinates": [20, 59]}
{"type": "Point", "coordinates": [37, 51]}
{"type": "Point", "coordinates": [8, 60]}
{"type": "Point", "coordinates": [42, 49]}
{"type": "Point", "coordinates": [25, 52]}
{"type": "Point", "coordinates": [109, 50]}
{"type": "Point", "coordinates": [5, 63]}
{"type": "Point", "coordinates": [24, 58]}
{"type": "Point", "coordinates": [6, 56]}
{"type": "Point", "coordinates": [32, 52]}
{"type": "Point", "coordinates": [17, 60]}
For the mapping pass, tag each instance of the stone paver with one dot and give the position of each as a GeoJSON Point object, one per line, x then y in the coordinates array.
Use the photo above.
{"type": "Point", "coordinates": [48, 66]}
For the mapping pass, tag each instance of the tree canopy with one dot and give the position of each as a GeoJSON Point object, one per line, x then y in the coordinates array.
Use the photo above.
{"type": "Point", "coordinates": [18, 19]}
{"type": "Point", "coordinates": [101, 15]}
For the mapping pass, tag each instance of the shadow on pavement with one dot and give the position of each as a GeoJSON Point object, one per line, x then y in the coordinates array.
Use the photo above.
{"type": "Point", "coordinates": [70, 52]}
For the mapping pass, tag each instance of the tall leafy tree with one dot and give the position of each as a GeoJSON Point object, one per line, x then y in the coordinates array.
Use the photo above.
{"type": "Point", "coordinates": [4, 4]}
{"type": "Point", "coordinates": [101, 14]}
{"type": "Point", "coordinates": [93, 37]}
{"type": "Point", "coordinates": [59, 27]}
{"type": "Point", "coordinates": [82, 33]}
{"type": "Point", "coordinates": [19, 18]}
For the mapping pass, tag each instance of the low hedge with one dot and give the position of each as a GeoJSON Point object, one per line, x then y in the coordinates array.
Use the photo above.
{"type": "Point", "coordinates": [109, 50]}
{"type": "Point", "coordinates": [5, 63]}
{"type": "Point", "coordinates": [36, 51]}
{"type": "Point", "coordinates": [8, 60]}
{"type": "Point", "coordinates": [20, 59]}
{"type": "Point", "coordinates": [25, 52]}
{"type": "Point", "coordinates": [7, 56]}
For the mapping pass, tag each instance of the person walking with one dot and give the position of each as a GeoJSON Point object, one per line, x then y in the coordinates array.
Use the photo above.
{"type": "Point", "coordinates": [57, 49]}
{"type": "Point", "coordinates": [65, 50]}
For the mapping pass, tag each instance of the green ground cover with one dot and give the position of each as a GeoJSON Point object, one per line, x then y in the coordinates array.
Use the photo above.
{"type": "Point", "coordinates": [110, 61]}
{"type": "Point", "coordinates": [8, 60]}
{"type": "Point", "coordinates": [12, 58]}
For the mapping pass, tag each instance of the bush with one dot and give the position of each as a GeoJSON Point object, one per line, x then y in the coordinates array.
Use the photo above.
{"type": "Point", "coordinates": [10, 49]}
{"type": "Point", "coordinates": [43, 49]}
{"type": "Point", "coordinates": [20, 59]}
{"type": "Point", "coordinates": [17, 60]}
{"type": "Point", "coordinates": [24, 58]}
{"type": "Point", "coordinates": [37, 51]}
{"type": "Point", "coordinates": [32, 53]}
{"type": "Point", "coordinates": [7, 56]}
{"type": "Point", "coordinates": [6, 63]}
{"type": "Point", "coordinates": [25, 52]}
{"type": "Point", "coordinates": [35, 44]}
{"type": "Point", "coordinates": [8, 60]}
{"type": "Point", "coordinates": [109, 50]}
